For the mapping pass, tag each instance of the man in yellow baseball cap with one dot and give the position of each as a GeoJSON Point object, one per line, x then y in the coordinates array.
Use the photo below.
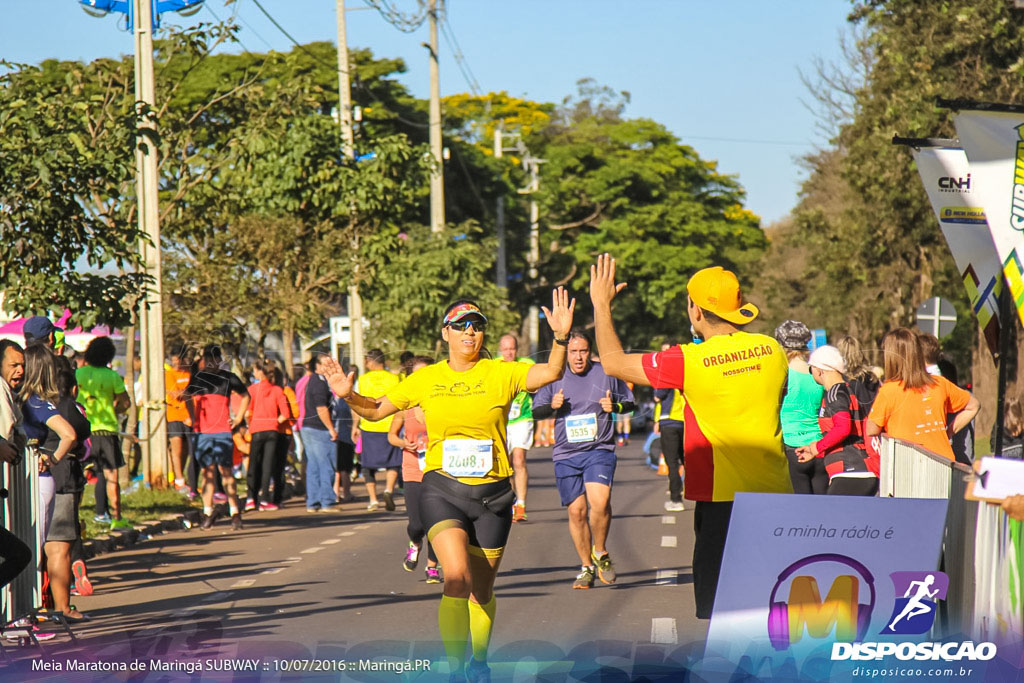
{"type": "Point", "coordinates": [732, 383]}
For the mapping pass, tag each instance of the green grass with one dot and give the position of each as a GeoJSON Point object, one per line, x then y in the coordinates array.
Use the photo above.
{"type": "Point", "coordinates": [142, 505]}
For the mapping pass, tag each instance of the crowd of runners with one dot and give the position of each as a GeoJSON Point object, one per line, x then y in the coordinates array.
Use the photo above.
{"type": "Point", "coordinates": [736, 412]}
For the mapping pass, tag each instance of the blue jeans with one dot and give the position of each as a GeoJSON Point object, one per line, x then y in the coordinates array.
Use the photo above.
{"type": "Point", "coordinates": [320, 459]}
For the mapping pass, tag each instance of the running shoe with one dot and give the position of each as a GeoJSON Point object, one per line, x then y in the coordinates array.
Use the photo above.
{"type": "Point", "coordinates": [412, 557]}
{"type": "Point", "coordinates": [236, 522]}
{"type": "Point", "coordinates": [16, 632]}
{"type": "Point", "coordinates": [120, 524]}
{"type": "Point", "coordinates": [209, 519]}
{"type": "Point", "coordinates": [674, 505]}
{"type": "Point", "coordinates": [585, 579]}
{"type": "Point", "coordinates": [434, 575]}
{"type": "Point", "coordinates": [220, 498]}
{"type": "Point", "coordinates": [477, 672]}
{"type": "Point", "coordinates": [331, 508]}
{"type": "Point", "coordinates": [105, 518]}
{"type": "Point", "coordinates": [82, 582]}
{"type": "Point", "coordinates": [518, 513]}
{"type": "Point", "coordinates": [74, 590]}
{"type": "Point", "coordinates": [389, 501]}
{"type": "Point", "coordinates": [620, 441]}
{"type": "Point", "coordinates": [269, 507]}
{"type": "Point", "coordinates": [192, 495]}
{"type": "Point", "coordinates": [312, 510]}
{"type": "Point", "coordinates": [250, 505]}
{"type": "Point", "coordinates": [373, 506]}
{"type": "Point", "coordinates": [605, 568]}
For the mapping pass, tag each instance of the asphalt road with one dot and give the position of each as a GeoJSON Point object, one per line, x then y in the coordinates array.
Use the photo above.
{"type": "Point", "coordinates": [302, 595]}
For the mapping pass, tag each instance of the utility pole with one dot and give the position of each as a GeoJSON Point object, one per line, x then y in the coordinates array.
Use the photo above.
{"type": "Point", "coordinates": [355, 302]}
{"type": "Point", "coordinates": [531, 165]}
{"type": "Point", "coordinates": [437, 175]}
{"type": "Point", "coordinates": [502, 265]}
{"type": "Point", "coordinates": [154, 427]}
{"type": "Point", "coordinates": [533, 328]}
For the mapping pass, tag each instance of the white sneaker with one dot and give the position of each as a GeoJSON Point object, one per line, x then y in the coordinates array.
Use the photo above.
{"type": "Point", "coordinates": [674, 506]}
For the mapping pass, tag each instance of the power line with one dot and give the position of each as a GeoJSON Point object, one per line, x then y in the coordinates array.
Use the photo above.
{"type": "Point", "coordinates": [332, 67]}
{"type": "Point", "coordinates": [403, 22]}
{"type": "Point", "coordinates": [460, 59]}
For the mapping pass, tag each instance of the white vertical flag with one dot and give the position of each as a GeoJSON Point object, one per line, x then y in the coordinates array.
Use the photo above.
{"type": "Point", "coordinates": [954, 196]}
{"type": "Point", "coordinates": [994, 143]}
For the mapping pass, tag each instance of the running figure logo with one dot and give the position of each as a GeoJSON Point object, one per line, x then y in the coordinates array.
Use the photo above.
{"type": "Point", "coordinates": [914, 613]}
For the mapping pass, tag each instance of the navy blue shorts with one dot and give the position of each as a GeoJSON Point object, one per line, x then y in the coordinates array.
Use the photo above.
{"type": "Point", "coordinates": [378, 453]}
{"type": "Point", "coordinates": [572, 473]}
{"type": "Point", "coordinates": [215, 449]}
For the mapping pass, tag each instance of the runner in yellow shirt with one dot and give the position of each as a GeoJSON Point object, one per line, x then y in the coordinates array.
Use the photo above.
{"type": "Point", "coordinates": [467, 493]}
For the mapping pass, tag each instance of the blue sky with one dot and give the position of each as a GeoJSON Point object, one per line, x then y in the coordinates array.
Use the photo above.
{"type": "Point", "coordinates": [715, 72]}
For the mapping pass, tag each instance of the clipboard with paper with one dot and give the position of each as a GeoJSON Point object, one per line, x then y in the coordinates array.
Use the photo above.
{"type": "Point", "coordinates": [996, 479]}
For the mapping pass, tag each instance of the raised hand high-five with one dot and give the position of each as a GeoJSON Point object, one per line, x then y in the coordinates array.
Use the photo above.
{"type": "Point", "coordinates": [602, 281]}
{"type": "Point", "coordinates": [340, 383]}
{"type": "Point", "coordinates": [559, 317]}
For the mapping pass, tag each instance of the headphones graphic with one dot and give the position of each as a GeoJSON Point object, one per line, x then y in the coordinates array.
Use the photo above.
{"type": "Point", "coordinates": [778, 612]}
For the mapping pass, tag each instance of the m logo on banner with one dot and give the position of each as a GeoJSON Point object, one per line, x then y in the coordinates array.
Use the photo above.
{"type": "Point", "coordinates": [841, 610]}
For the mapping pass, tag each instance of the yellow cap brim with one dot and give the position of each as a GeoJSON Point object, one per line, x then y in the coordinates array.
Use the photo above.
{"type": "Point", "coordinates": [741, 316]}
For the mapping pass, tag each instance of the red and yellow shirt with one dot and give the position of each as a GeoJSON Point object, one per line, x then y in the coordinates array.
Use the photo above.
{"type": "Point", "coordinates": [733, 385]}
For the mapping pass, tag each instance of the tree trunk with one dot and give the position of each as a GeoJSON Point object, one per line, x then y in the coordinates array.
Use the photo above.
{"type": "Point", "coordinates": [287, 342]}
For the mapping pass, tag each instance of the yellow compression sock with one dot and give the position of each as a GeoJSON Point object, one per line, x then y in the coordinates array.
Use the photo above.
{"type": "Point", "coordinates": [481, 622]}
{"type": "Point", "coordinates": [453, 618]}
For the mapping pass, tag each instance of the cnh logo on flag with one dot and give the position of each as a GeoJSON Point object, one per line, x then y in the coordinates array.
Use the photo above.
{"type": "Point", "coordinates": [805, 612]}
{"type": "Point", "coordinates": [914, 613]}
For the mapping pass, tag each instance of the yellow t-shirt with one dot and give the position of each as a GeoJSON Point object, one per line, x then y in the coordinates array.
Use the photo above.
{"type": "Point", "coordinates": [733, 386]}
{"type": "Point", "coordinates": [464, 405]}
{"type": "Point", "coordinates": [375, 384]}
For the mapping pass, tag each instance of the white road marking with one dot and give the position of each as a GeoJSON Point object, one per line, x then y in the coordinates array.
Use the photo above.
{"type": "Point", "coordinates": [244, 583]}
{"type": "Point", "coordinates": [347, 533]}
{"type": "Point", "coordinates": [668, 519]}
{"type": "Point", "coordinates": [309, 551]}
{"type": "Point", "coordinates": [663, 631]}
{"type": "Point", "coordinates": [666, 542]}
{"type": "Point", "coordinates": [293, 559]}
{"type": "Point", "coordinates": [667, 577]}
{"type": "Point", "coordinates": [273, 570]}
{"type": "Point", "coordinates": [216, 597]}
{"type": "Point", "coordinates": [362, 526]}
{"type": "Point", "coordinates": [330, 541]}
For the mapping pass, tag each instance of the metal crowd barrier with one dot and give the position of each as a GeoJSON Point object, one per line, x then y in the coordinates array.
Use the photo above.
{"type": "Point", "coordinates": [19, 514]}
{"type": "Point", "coordinates": [982, 548]}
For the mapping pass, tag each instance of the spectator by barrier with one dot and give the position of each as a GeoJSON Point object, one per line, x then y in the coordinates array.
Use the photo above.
{"type": "Point", "coordinates": [20, 516]}
{"type": "Point", "coordinates": [982, 548]}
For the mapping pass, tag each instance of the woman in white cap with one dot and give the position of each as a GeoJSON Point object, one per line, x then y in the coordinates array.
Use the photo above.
{"type": "Point", "coordinates": [842, 449]}
{"type": "Point", "coordinates": [800, 407]}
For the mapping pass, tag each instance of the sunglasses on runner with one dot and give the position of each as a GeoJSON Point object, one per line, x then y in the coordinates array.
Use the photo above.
{"type": "Point", "coordinates": [463, 325]}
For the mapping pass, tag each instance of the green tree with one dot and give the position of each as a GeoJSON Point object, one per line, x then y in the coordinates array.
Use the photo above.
{"type": "Point", "coordinates": [628, 187]}
{"type": "Point", "coordinates": [424, 273]}
{"type": "Point", "coordinates": [67, 174]}
{"type": "Point", "coordinates": [277, 236]}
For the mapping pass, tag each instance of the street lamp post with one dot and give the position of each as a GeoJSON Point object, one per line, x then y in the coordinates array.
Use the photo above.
{"type": "Point", "coordinates": [143, 16]}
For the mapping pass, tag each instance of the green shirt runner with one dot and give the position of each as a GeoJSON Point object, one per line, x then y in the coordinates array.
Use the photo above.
{"type": "Point", "coordinates": [800, 407]}
{"type": "Point", "coordinates": [521, 408]}
{"type": "Point", "coordinates": [97, 388]}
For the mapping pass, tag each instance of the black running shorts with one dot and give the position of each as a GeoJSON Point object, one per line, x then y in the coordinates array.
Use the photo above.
{"type": "Point", "coordinates": [106, 450]}
{"type": "Point", "coordinates": [483, 511]}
